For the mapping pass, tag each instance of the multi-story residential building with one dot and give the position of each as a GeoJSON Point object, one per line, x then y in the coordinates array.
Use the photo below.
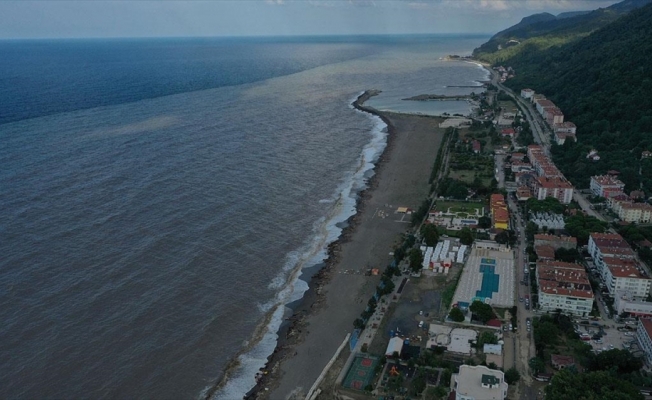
{"type": "Point", "coordinates": [527, 93]}
{"type": "Point", "coordinates": [557, 242]}
{"type": "Point", "coordinates": [536, 97]}
{"type": "Point", "coordinates": [565, 127]}
{"type": "Point", "coordinates": [479, 383]}
{"type": "Point", "coordinates": [553, 116]}
{"type": "Point", "coordinates": [556, 187]}
{"type": "Point", "coordinates": [629, 211]}
{"type": "Point", "coordinates": [625, 275]}
{"type": "Point", "coordinates": [606, 185]}
{"type": "Point", "coordinates": [499, 213]}
{"type": "Point", "coordinates": [624, 302]}
{"type": "Point", "coordinates": [560, 137]}
{"type": "Point", "coordinates": [543, 104]}
{"type": "Point", "coordinates": [644, 339]}
{"type": "Point", "coordinates": [606, 245]}
{"type": "Point", "coordinates": [564, 286]}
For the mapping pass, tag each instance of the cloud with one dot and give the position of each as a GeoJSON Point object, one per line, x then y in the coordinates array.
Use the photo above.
{"type": "Point", "coordinates": [275, 2]}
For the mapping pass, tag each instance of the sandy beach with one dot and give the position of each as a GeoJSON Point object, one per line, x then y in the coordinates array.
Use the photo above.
{"type": "Point", "coordinates": [339, 292]}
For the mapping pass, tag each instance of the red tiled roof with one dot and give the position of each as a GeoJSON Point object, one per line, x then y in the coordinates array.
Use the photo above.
{"type": "Point", "coordinates": [545, 251]}
{"type": "Point", "coordinates": [558, 359]}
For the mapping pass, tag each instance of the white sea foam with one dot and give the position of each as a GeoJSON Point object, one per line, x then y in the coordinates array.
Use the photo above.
{"type": "Point", "coordinates": [288, 282]}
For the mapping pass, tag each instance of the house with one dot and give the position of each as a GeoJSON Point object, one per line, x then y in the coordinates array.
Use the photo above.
{"type": "Point", "coordinates": [644, 339]}
{"type": "Point", "coordinates": [646, 154]}
{"type": "Point", "coordinates": [527, 93]}
{"type": "Point", "coordinates": [548, 220]}
{"type": "Point", "coordinates": [479, 383]}
{"type": "Point", "coordinates": [518, 156]}
{"type": "Point", "coordinates": [496, 349]}
{"type": "Point", "coordinates": [564, 286]}
{"type": "Point", "coordinates": [523, 193]}
{"type": "Point", "coordinates": [508, 132]}
{"type": "Point", "coordinates": [593, 155]}
{"type": "Point", "coordinates": [606, 185]}
{"type": "Point", "coordinates": [499, 213]}
{"type": "Point", "coordinates": [475, 145]}
{"type": "Point", "coordinates": [636, 194]}
{"type": "Point", "coordinates": [561, 362]}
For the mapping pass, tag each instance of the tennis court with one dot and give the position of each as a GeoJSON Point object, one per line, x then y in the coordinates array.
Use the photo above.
{"type": "Point", "coordinates": [361, 373]}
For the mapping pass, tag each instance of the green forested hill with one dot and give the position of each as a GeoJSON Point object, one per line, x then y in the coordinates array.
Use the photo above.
{"type": "Point", "coordinates": [603, 83]}
{"type": "Point", "coordinates": [541, 31]}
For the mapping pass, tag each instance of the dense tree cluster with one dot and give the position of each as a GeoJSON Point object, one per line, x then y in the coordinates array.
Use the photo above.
{"type": "Point", "coordinates": [602, 83]}
{"type": "Point", "coordinates": [482, 311]}
{"type": "Point", "coordinates": [581, 226]}
{"type": "Point", "coordinates": [600, 385]}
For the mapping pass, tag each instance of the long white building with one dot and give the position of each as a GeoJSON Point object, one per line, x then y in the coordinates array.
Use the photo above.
{"type": "Point", "coordinates": [603, 245]}
{"type": "Point", "coordinates": [564, 286]}
{"type": "Point", "coordinates": [625, 275]}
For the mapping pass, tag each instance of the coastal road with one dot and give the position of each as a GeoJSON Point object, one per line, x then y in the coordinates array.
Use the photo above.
{"type": "Point", "coordinates": [541, 136]}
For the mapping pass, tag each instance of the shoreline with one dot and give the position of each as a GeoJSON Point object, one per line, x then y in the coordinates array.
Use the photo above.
{"type": "Point", "coordinates": [292, 329]}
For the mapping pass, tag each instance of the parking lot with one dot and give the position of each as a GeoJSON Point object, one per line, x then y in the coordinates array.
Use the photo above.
{"type": "Point", "coordinates": [610, 337]}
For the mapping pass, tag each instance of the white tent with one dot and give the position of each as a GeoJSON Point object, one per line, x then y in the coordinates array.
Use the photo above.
{"type": "Point", "coordinates": [395, 345]}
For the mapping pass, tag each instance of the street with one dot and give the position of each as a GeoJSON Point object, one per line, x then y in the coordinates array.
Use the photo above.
{"type": "Point", "coordinates": [525, 348]}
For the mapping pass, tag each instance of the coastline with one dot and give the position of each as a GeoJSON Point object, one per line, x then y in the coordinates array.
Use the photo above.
{"type": "Point", "coordinates": [338, 296]}
{"type": "Point", "coordinates": [293, 329]}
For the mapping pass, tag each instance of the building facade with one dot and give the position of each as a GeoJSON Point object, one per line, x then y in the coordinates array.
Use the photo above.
{"type": "Point", "coordinates": [644, 339]}
{"type": "Point", "coordinates": [564, 286]}
{"type": "Point", "coordinates": [606, 186]}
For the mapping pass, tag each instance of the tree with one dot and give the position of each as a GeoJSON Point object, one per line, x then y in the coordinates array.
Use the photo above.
{"type": "Point", "coordinates": [482, 311]}
{"type": "Point", "coordinates": [416, 259]}
{"type": "Point", "coordinates": [484, 222]}
{"type": "Point", "coordinates": [622, 361]}
{"type": "Point", "coordinates": [536, 365]}
{"type": "Point", "coordinates": [430, 234]}
{"type": "Point", "coordinates": [436, 393]}
{"type": "Point", "coordinates": [569, 385]}
{"type": "Point", "coordinates": [466, 236]}
{"type": "Point", "coordinates": [487, 338]}
{"type": "Point", "coordinates": [530, 230]}
{"type": "Point", "coordinates": [512, 376]}
{"type": "Point", "coordinates": [456, 315]}
{"type": "Point", "coordinates": [502, 237]}
{"type": "Point", "coordinates": [567, 255]}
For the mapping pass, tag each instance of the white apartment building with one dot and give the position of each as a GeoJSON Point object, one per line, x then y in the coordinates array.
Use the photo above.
{"type": "Point", "coordinates": [624, 302]}
{"type": "Point", "coordinates": [564, 286]}
{"type": "Point", "coordinates": [606, 186]}
{"type": "Point", "coordinates": [556, 187]}
{"type": "Point", "coordinates": [644, 339]}
{"type": "Point", "coordinates": [479, 383]}
{"type": "Point", "coordinates": [633, 212]}
{"type": "Point", "coordinates": [603, 245]}
{"type": "Point", "coordinates": [624, 275]}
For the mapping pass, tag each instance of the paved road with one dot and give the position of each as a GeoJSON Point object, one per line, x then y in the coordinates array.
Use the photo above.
{"type": "Point", "coordinates": [586, 206]}
{"type": "Point", "coordinates": [524, 344]}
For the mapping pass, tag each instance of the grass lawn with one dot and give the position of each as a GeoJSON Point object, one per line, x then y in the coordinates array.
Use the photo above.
{"type": "Point", "coordinates": [459, 207]}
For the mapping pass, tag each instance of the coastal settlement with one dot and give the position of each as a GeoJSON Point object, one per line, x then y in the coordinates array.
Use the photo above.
{"type": "Point", "coordinates": [502, 277]}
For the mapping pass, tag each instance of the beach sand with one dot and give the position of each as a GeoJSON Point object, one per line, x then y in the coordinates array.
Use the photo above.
{"type": "Point", "coordinates": [340, 291]}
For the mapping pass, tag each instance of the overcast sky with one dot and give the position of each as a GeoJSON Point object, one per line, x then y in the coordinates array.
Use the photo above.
{"type": "Point", "coordinates": [156, 18]}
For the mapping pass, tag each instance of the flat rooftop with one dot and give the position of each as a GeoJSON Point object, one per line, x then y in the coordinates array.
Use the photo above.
{"type": "Point", "coordinates": [488, 276]}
